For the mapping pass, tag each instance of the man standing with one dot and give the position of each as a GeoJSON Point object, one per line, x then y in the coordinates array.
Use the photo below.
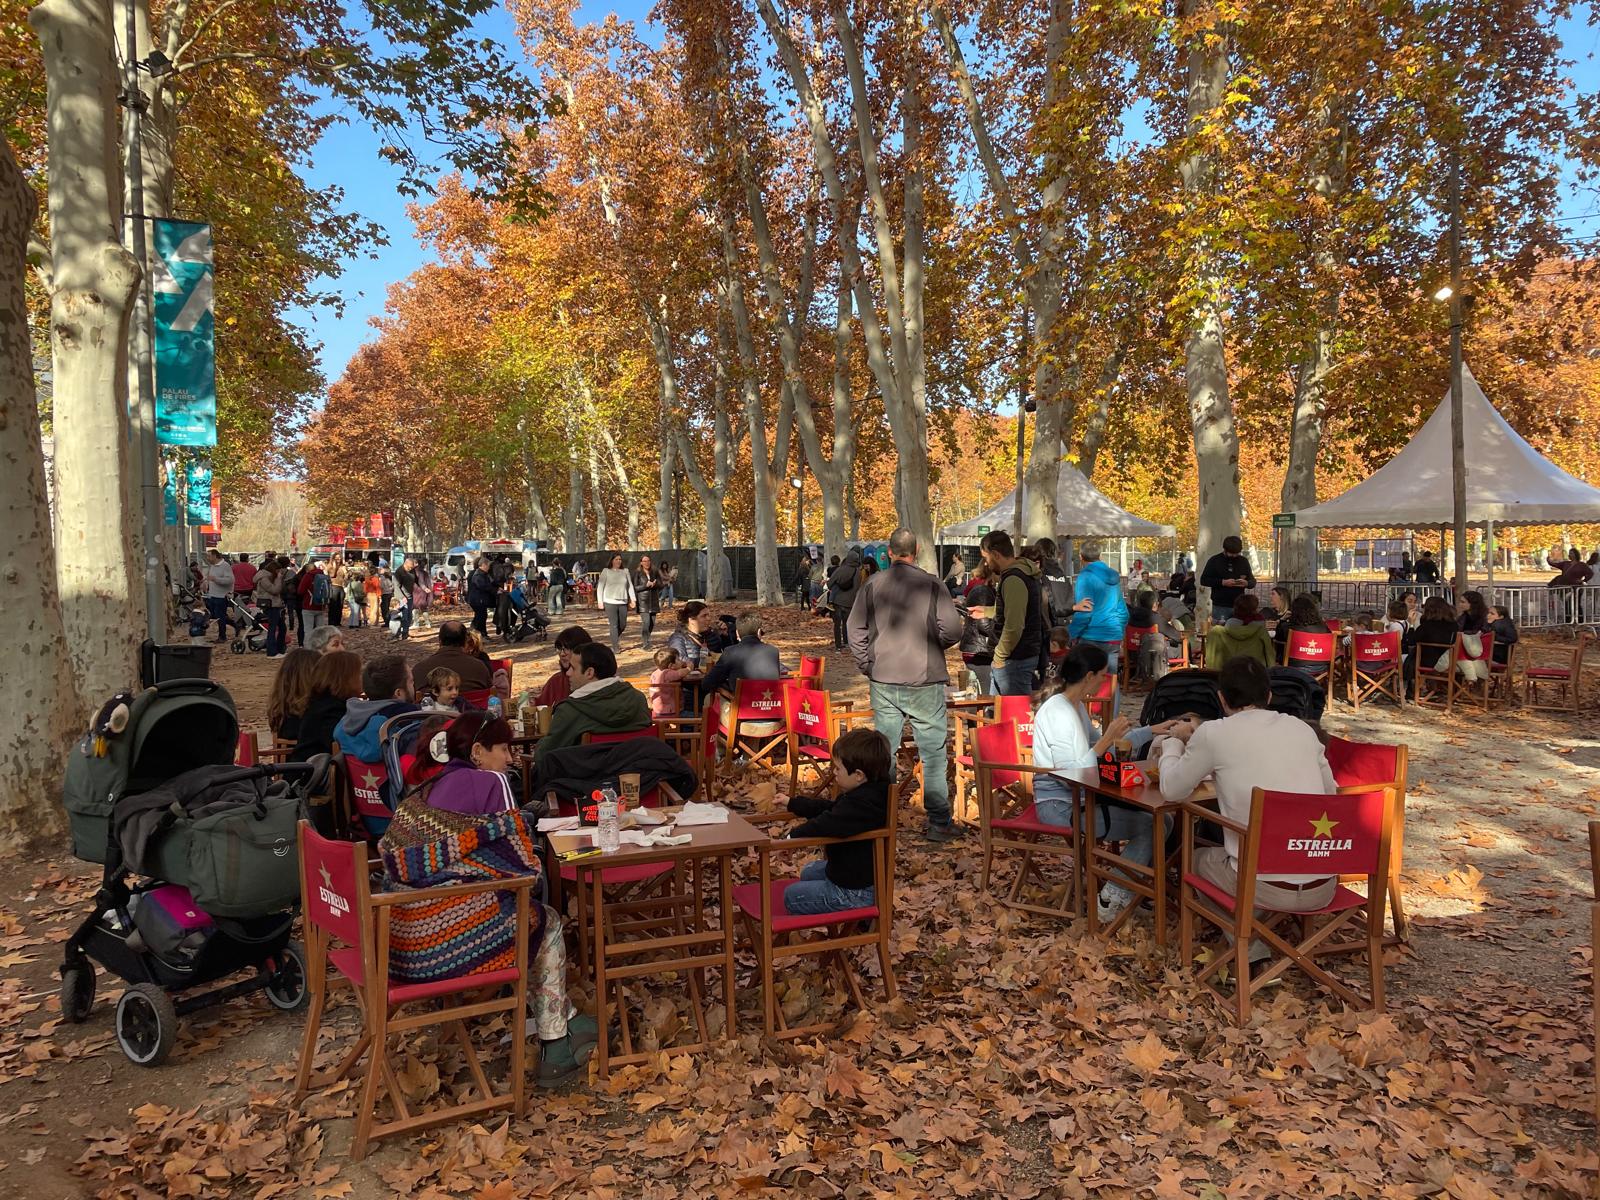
{"type": "Point", "coordinates": [1229, 576]}
{"type": "Point", "coordinates": [219, 583]}
{"type": "Point", "coordinates": [1099, 611]}
{"type": "Point", "coordinates": [900, 627]}
{"type": "Point", "coordinates": [405, 585]}
{"type": "Point", "coordinates": [1021, 622]}
{"type": "Point", "coordinates": [558, 590]}
{"type": "Point", "coordinates": [244, 579]}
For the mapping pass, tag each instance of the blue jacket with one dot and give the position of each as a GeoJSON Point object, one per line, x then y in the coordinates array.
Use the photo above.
{"type": "Point", "coordinates": [1109, 619]}
{"type": "Point", "coordinates": [357, 733]}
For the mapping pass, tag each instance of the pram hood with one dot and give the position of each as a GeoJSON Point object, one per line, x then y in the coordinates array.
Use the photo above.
{"type": "Point", "coordinates": [176, 726]}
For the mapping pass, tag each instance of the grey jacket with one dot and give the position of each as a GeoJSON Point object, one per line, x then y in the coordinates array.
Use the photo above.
{"type": "Point", "coordinates": [902, 623]}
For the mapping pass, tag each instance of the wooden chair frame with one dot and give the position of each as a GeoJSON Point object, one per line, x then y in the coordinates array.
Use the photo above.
{"type": "Point", "coordinates": [1002, 803]}
{"type": "Point", "coordinates": [771, 947]}
{"type": "Point", "coordinates": [1397, 785]}
{"type": "Point", "coordinates": [1242, 925]}
{"type": "Point", "coordinates": [839, 716]}
{"type": "Point", "coordinates": [962, 744]}
{"type": "Point", "coordinates": [1388, 680]}
{"type": "Point", "coordinates": [760, 750]}
{"type": "Point", "coordinates": [381, 1015]}
{"type": "Point", "coordinates": [1571, 685]}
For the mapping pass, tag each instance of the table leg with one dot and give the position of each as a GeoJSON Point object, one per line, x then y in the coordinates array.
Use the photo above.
{"type": "Point", "coordinates": [725, 865]}
{"type": "Point", "coordinates": [602, 1016]}
{"type": "Point", "coordinates": [1158, 862]}
{"type": "Point", "coordinates": [1083, 837]}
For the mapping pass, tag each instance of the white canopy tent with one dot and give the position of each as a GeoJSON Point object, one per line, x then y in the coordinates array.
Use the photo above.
{"type": "Point", "coordinates": [1081, 511]}
{"type": "Point", "coordinates": [1508, 481]}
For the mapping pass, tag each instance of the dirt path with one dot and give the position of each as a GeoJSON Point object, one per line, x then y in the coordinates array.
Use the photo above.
{"type": "Point", "coordinates": [1020, 1060]}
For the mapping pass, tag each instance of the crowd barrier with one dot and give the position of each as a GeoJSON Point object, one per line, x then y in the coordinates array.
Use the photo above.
{"type": "Point", "coordinates": [1531, 605]}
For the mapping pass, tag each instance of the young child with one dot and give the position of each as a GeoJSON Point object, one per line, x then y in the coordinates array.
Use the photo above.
{"type": "Point", "coordinates": [199, 623]}
{"type": "Point", "coordinates": [1397, 618]}
{"type": "Point", "coordinates": [444, 689]}
{"type": "Point", "coordinates": [1505, 633]}
{"type": "Point", "coordinates": [666, 683]}
{"type": "Point", "coordinates": [843, 877]}
{"type": "Point", "coordinates": [1060, 643]}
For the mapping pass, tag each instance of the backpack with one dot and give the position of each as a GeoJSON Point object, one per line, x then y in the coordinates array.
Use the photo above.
{"type": "Point", "coordinates": [321, 589]}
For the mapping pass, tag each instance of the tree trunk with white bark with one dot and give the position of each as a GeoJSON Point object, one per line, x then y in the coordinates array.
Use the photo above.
{"type": "Point", "coordinates": [94, 281]}
{"type": "Point", "coordinates": [1216, 437]}
{"type": "Point", "coordinates": [710, 492]}
{"type": "Point", "coordinates": [42, 717]}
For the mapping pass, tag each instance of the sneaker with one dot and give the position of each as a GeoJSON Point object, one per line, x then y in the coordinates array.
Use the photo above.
{"type": "Point", "coordinates": [947, 832]}
{"type": "Point", "coordinates": [1111, 901]}
{"type": "Point", "coordinates": [559, 1062]}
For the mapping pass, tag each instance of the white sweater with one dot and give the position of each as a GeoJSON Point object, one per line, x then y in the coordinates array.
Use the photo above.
{"type": "Point", "coordinates": [1251, 749]}
{"type": "Point", "coordinates": [1063, 738]}
{"type": "Point", "coordinates": [615, 586]}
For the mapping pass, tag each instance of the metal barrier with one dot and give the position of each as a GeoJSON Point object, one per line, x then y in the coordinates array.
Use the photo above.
{"type": "Point", "coordinates": [1530, 605]}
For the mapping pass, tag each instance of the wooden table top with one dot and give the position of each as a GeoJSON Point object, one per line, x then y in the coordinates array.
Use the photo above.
{"type": "Point", "coordinates": [736, 834]}
{"type": "Point", "coordinates": [1147, 795]}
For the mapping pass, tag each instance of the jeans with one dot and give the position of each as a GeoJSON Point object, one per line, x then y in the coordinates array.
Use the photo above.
{"type": "Point", "coordinates": [617, 618]}
{"type": "Point", "coordinates": [894, 704]}
{"type": "Point", "coordinates": [839, 618]}
{"type": "Point", "coordinates": [816, 893]}
{"type": "Point", "coordinates": [297, 624]}
{"type": "Point", "coordinates": [647, 624]}
{"type": "Point", "coordinates": [276, 636]}
{"type": "Point", "coordinates": [384, 601]}
{"type": "Point", "coordinates": [1221, 613]}
{"type": "Point", "coordinates": [668, 596]}
{"type": "Point", "coordinates": [217, 606]}
{"type": "Point", "coordinates": [557, 599]}
{"type": "Point", "coordinates": [1011, 679]}
{"type": "Point", "coordinates": [314, 619]}
{"type": "Point", "coordinates": [405, 620]}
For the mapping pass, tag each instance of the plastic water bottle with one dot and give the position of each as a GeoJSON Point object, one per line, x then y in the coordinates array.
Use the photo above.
{"type": "Point", "coordinates": [606, 837]}
{"type": "Point", "coordinates": [495, 708]}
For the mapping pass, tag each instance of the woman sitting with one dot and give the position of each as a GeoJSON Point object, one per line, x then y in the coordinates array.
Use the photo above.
{"type": "Point", "coordinates": [1505, 632]}
{"type": "Point", "coordinates": [472, 787]}
{"type": "Point", "coordinates": [1472, 614]}
{"type": "Point", "coordinates": [1245, 635]}
{"type": "Point", "coordinates": [1436, 631]}
{"type": "Point", "coordinates": [336, 680]}
{"type": "Point", "coordinates": [291, 692]}
{"type": "Point", "coordinates": [689, 638]}
{"type": "Point", "coordinates": [1305, 616]}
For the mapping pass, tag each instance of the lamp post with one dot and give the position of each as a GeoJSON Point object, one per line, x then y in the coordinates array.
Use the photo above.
{"type": "Point", "coordinates": [798, 483]}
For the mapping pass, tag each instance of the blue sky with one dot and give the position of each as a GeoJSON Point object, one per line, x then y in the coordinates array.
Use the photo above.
{"type": "Point", "coordinates": [348, 156]}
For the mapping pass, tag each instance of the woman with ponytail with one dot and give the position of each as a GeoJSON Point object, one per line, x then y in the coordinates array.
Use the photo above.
{"type": "Point", "coordinates": [1064, 740]}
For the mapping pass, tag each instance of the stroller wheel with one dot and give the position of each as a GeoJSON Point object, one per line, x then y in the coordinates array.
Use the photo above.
{"type": "Point", "coordinates": [77, 992]}
{"type": "Point", "coordinates": [238, 646]}
{"type": "Point", "coordinates": [287, 988]}
{"type": "Point", "coordinates": [147, 1024]}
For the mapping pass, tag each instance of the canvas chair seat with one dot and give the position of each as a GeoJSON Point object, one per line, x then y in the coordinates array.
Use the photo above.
{"type": "Point", "coordinates": [1027, 821]}
{"type": "Point", "coordinates": [348, 963]}
{"type": "Point", "coordinates": [747, 897]}
{"type": "Point", "coordinates": [1343, 899]}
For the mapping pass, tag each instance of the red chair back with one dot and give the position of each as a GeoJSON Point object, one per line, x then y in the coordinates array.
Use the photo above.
{"type": "Point", "coordinates": [1134, 636]}
{"type": "Point", "coordinates": [1314, 648]}
{"type": "Point", "coordinates": [758, 700]}
{"type": "Point", "coordinates": [1019, 711]}
{"type": "Point", "coordinates": [811, 667]}
{"type": "Point", "coordinates": [333, 884]}
{"type": "Point", "coordinates": [1341, 834]}
{"type": "Point", "coordinates": [1375, 651]}
{"type": "Point", "coordinates": [806, 713]}
{"type": "Point", "coordinates": [248, 753]}
{"type": "Point", "coordinates": [997, 743]}
{"type": "Point", "coordinates": [367, 783]}
{"type": "Point", "coordinates": [711, 728]}
{"type": "Point", "coordinates": [1355, 764]}
{"type": "Point", "coordinates": [475, 699]}
{"type": "Point", "coordinates": [1485, 652]}
{"type": "Point", "coordinates": [1334, 624]}
{"type": "Point", "coordinates": [501, 664]}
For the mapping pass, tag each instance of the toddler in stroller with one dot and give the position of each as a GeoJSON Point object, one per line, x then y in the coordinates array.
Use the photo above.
{"type": "Point", "coordinates": [200, 874]}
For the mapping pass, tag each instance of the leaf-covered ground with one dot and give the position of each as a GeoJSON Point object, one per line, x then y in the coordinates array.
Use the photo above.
{"type": "Point", "coordinates": [1022, 1059]}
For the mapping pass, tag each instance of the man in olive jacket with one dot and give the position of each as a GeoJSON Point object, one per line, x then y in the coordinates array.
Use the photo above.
{"type": "Point", "coordinates": [599, 703]}
{"type": "Point", "coordinates": [901, 625]}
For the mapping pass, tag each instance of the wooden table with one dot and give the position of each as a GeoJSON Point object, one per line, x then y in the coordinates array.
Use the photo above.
{"type": "Point", "coordinates": [691, 947]}
{"type": "Point", "coordinates": [1101, 865]}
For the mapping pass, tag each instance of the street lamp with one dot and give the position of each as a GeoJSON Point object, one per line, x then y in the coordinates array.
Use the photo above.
{"type": "Point", "coordinates": [799, 486]}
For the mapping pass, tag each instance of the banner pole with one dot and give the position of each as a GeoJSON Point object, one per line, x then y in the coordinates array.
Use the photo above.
{"type": "Point", "coordinates": [144, 410]}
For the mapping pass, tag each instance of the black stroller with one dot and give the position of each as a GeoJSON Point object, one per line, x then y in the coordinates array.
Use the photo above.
{"type": "Point", "coordinates": [201, 876]}
{"type": "Point", "coordinates": [1195, 690]}
{"type": "Point", "coordinates": [526, 623]}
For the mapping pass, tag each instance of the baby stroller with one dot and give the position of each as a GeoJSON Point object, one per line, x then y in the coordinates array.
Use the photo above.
{"type": "Point", "coordinates": [1296, 693]}
{"type": "Point", "coordinates": [1178, 692]}
{"type": "Point", "coordinates": [201, 878]}
{"type": "Point", "coordinates": [527, 622]}
{"type": "Point", "coordinates": [250, 627]}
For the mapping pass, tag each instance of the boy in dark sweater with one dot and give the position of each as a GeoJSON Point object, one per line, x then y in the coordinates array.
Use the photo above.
{"type": "Point", "coordinates": [843, 878]}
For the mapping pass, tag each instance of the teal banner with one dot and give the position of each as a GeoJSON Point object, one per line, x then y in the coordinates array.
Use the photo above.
{"type": "Point", "coordinates": [198, 501]}
{"type": "Point", "coordinates": [186, 376]}
{"type": "Point", "coordinates": [169, 495]}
